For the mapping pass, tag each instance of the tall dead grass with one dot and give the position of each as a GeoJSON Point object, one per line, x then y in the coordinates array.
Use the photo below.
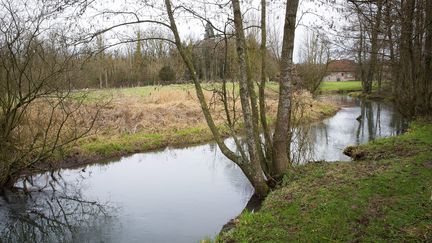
{"type": "Point", "coordinates": [172, 110]}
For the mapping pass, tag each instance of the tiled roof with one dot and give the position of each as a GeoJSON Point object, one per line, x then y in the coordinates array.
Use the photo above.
{"type": "Point", "coordinates": [342, 66]}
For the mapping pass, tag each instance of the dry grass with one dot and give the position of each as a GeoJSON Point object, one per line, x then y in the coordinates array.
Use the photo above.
{"type": "Point", "coordinates": [173, 110]}
{"type": "Point", "coordinates": [157, 113]}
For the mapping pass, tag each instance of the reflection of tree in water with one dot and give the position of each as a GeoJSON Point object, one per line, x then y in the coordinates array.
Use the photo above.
{"type": "Point", "coordinates": [302, 144]}
{"type": "Point", "coordinates": [51, 216]}
{"type": "Point", "coordinates": [371, 118]}
{"type": "Point", "coordinates": [398, 122]}
{"type": "Point", "coordinates": [367, 123]}
{"type": "Point", "coordinates": [378, 120]}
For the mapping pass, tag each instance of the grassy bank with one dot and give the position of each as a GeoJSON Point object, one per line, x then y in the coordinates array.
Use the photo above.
{"type": "Point", "coordinates": [383, 196]}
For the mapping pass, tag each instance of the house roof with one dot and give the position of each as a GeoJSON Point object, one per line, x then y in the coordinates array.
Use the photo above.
{"type": "Point", "coordinates": [342, 66]}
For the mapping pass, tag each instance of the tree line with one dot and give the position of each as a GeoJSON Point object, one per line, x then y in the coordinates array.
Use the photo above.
{"type": "Point", "coordinates": [155, 62]}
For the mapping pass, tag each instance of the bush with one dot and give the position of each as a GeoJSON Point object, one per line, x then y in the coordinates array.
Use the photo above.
{"type": "Point", "coordinates": [311, 75]}
{"type": "Point", "coordinates": [167, 74]}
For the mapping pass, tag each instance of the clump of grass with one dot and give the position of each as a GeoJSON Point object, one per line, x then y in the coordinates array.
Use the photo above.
{"type": "Point", "coordinates": [374, 200]}
{"type": "Point", "coordinates": [417, 139]}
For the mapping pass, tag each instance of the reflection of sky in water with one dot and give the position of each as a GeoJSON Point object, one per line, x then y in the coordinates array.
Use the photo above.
{"type": "Point", "coordinates": [183, 195]}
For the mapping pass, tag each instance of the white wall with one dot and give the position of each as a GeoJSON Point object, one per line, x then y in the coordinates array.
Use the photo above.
{"type": "Point", "coordinates": [339, 76]}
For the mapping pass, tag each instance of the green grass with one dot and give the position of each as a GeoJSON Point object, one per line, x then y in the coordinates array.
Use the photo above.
{"type": "Point", "coordinates": [124, 144]}
{"type": "Point", "coordinates": [340, 86]}
{"type": "Point", "coordinates": [139, 142]}
{"type": "Point", "coordinates": [385, 197]}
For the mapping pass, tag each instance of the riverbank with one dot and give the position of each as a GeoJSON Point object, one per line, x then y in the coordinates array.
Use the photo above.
{"type": "Point", "coordinates": [384, 195]}
{"type": "Point", "coordinates": [153, 118]}
{"type": "Point", "coordinates": [374, 95]}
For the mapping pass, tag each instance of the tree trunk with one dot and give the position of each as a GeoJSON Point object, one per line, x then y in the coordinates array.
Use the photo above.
{"type": "Point", "coordinates": [360, 55]}
{"type": "Point", "coordinates": [106, 78]}
{"type": "Point", "coordinates": [405, 93]}
{"type": "Point", "coordinates": [281, 136]}
{"type": "Point", "coordinates": [427, 86]}
{"type": "Point", "coordinates": [100, 80]}
{"type": "Point", "coordinates": [247, 93]}
{"type": "Point", "coordinates": [374, 48]}
{"type": "Point", "coordinates": [389, 33]}
{"type": "Point", "coordinates": [263, 117]}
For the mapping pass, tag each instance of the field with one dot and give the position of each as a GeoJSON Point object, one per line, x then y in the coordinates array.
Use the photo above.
{"type": "Point", "coordinates": [384, 196]}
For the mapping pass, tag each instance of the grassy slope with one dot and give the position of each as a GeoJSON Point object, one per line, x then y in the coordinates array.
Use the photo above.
{"type": "Point", "coordinates": [385, 197]}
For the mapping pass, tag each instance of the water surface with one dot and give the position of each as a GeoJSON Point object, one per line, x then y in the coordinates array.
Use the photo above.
{"type": "Point", "coordinates": [357, 122]}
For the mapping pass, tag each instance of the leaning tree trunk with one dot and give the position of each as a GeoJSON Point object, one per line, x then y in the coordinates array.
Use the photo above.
{"type": "Point", "coordinates": [247, 93]}
{"type": "Point", "coordinates": [281, 136]}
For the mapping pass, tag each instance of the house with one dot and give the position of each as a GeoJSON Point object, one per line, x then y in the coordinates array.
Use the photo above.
{"type": "Point", "coordinates": [341, 70]}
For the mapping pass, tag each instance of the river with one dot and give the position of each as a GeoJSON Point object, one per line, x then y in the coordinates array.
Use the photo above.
{"type": "Point", "coordinates": [174, 195]}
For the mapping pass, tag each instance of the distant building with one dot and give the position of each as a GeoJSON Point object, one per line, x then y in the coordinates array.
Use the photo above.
{"type": "Point", "coordinates": [341, 70]}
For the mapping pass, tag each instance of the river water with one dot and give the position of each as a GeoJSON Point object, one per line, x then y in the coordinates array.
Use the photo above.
{"type": "Point", "coordinates": [174, 195]}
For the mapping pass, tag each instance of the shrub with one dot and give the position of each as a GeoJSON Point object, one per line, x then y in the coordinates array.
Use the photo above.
{"type": "Point", "coordinates": [167, 74]}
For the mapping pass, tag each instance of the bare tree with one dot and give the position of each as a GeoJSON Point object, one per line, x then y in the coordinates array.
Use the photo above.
{"type": "Point", "coordinates": [315, 60]}
{"type": "Point", "coordinates": [39, 115]}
